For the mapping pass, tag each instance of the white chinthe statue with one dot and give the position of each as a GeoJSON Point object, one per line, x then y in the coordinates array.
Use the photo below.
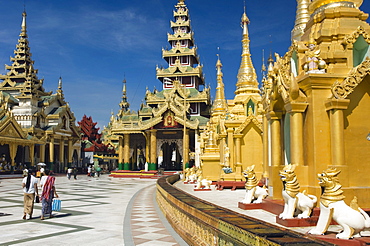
{"type": "Point", "coordinates": [293, 199]}
{"type": "Point", "coordinates": [352, 218]}
{"type": "Point", "coordinates": [254, 194]}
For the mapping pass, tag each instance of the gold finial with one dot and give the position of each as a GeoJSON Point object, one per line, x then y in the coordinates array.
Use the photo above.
{"type": "Point", "coordinates": [24, 26]}
{"type": "Point", "coordinates": [60, 83]}
{"type": "Point", "coordinates": [218, 64]}
{"type": "Point", "coordinates": [181, 2]}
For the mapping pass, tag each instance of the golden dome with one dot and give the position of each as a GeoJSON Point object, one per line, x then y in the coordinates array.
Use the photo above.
{"type": "Point", "coordinates": [318, 3]}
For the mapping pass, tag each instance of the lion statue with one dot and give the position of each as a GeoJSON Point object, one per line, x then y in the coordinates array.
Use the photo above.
{"type": "Point", "coordinates": [202, 182]}
{"type": "Point", "coordinates": [190, 174]}
{"type": "Point", "coordinates": [293, 199]}
{"type": "Point", "coordinates": [254, 194]}
{"type": "Point", "coordinates": [352, 218]}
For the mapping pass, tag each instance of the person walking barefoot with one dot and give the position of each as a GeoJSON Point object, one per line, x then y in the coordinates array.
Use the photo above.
{"type": "Point", "coordinates": [29, 185]}
{"type": "Point", "coordinates": [47, 195]}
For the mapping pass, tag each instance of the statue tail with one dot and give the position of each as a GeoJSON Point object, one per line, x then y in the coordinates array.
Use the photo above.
{"type": "Point", "coordinates": [366, 216]}
{"type": "Point", "coordinates": [313, 198]}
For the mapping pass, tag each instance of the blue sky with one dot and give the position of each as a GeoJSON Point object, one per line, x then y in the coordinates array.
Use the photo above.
{"type": "Point", "coordinates": [94, 44]}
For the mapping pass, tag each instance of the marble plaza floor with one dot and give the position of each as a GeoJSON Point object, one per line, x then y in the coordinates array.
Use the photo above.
{"type": "Point", "coordinates": [95, 211]}
{"type": "Point", "coordinates": [105, 211]}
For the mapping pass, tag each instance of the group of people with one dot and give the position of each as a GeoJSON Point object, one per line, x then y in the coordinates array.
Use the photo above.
{"type": "Point", "coordinates": [91, 171]}
{"type": "Point", "coordinates": [71, 171]}
{"type": "Point", "coordinates": [31, 191]}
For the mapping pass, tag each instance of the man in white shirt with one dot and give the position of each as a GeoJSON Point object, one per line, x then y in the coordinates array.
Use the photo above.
{"type": "Point", "coordinates": [29, 185]}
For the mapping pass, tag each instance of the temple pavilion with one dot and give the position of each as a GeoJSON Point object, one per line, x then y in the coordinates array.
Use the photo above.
{"type": "Point", "coordinates": [35, 125]}
{"type": "Point", "coordinates": [164, 132]}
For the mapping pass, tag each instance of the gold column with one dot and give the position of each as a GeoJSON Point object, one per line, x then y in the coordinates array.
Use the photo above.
{"type": "Point", "coordinates": [230, 144]}
{"type": "Point", "coordinates": [153, 146]}
{"type": "Point", "coordinates": [186, 148]}
{"type": "Point", "coordinates": [222, 149]}
{"type": "Point", "coordinates": [335, 108]}
{"type": "Point", "coordinates": [51, 150]}
{"type": "Point", "coordinates": [126, 148]}
{"type": "Point", "coordinates": [265, 141]}
{"type": "Point", "coordinates": [61, 152]}
{"type": "Point", "coordinates": [147, 146]}
{"type": "Point", "coordinates": [42, 153]}
{"type": "Point", "coordinates": [296, 131]}
{"type": "Point", "coordinates": [336, 137]}
{"type": "Point", "coordinates": [120, 153]}
{"type": "Point", "coordinates": [70, 151]}
{"type": "Point", "coordinates": [13, 152]}
{"type": "Point", "coordinates": [32, 154]}
{"type": "Point", "coordinates": [238, 157]}
{"type": "Point", "coordinates": [275, 184]}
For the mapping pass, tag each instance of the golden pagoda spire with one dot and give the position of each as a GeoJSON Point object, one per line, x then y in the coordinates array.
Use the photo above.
{"type": "Point", "coordinates": [247, 78]}
{"type": "Point", "coordinates": [60, 84]}
{"type": "Point", "coordinates": [219, 106]}
{"type": "Point", "coordinates": [60, 90]}
{"type": "Point", "coordinates": [23, 26]}
{"type": "Point", "coordinates": [124, 103]}
{"type": "Point", "coordinates": [302, 17]}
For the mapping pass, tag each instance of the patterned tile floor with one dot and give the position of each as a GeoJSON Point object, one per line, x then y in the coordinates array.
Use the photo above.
{"type": "Point", "coordinates": [95, 211]}
{"type": "Point", "coordinates": [146, 226]}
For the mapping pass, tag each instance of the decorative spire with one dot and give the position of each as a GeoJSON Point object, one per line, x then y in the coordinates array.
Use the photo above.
{"type": "Point", "coordinates": [60, 84]}
{"type": "Point", "coordinates": [263, 67]}
{"type": "Point", "coordinates": [247, 78]}
{"type": "Point", "coordinates": [60, 90]}
{"type": "Point", "coordinates": [219, 106]}
{"type": "Point", "coordinates": [270, 63]}
{"type": "Point", "coordinates": [23, 26]}
{"type": "Point", "coordinates": [302, 17]}
{"type": "Point", "coordinates": [124, 103]}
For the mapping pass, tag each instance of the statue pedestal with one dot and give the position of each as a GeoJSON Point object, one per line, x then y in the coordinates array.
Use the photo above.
{"type": "Point", "coordinates": [331, 238]}
{"type": "Point", "coordinates": [221, 184]}
{"type": "Point", "coordinates": [211, 165]}
{"type": "Point", "coordinates": [202, 189]}
{"type": "Point", "coordinates": [277, 206]}
{"type": "Point", "coordinates": [247, 206]}
{"type": "Point", "coordinates": [295, 222]}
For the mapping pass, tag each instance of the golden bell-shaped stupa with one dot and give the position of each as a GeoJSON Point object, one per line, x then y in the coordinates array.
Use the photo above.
{"type": "Point", "coordinates": [316, 4]}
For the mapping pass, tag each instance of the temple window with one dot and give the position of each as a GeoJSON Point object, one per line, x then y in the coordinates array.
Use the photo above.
{"type": "Point", "coordinates": [294, 63]}
{"type": "Point", "coordinates": [360, 51]}
{"type": "Point", "coordinates": [184, 43]}
{"type": "Point", "coordinates": [185, 60]}
{"type": "Point", "coordinates": [194, 108]}
{"type": "Point", "coordinates": [250, 108]}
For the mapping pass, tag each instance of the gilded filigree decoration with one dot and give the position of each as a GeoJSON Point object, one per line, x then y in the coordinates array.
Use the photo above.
{"type": "Point", "coordinates": [342, 89]}
{"type": "Point", "coordinates": [250, 120]}
{"type": "Point", "coordinates": [349, 40]}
